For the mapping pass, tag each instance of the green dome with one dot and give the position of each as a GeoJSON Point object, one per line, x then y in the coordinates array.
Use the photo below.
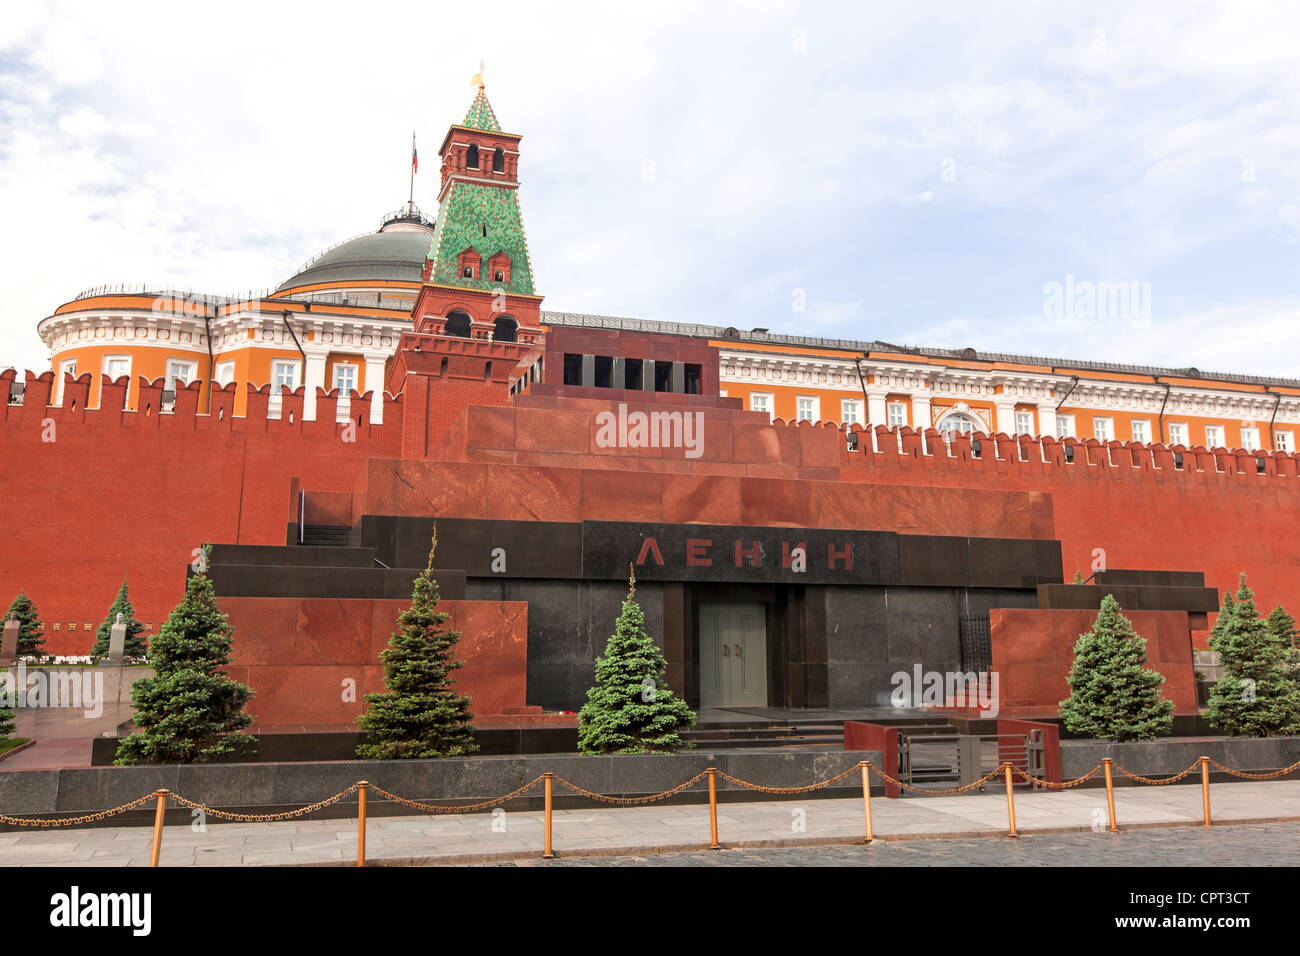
{"type": "Point", "coordinates": [392, 254]}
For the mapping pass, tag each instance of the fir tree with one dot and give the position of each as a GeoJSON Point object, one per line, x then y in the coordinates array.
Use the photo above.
{"type": "Point", "coordinates": [419, 715]}
{"type": "Point", "coordinates": [631, 710]}
{"type": "Point", "coordinates": [1258, 694]}
{"type": "Point", "coordinates": [1226, 608]}
{"type": "Point", "coordinates": [7, 723]}
{"type": "Point", "coordinates": [30, 640]}
{"type": "Point", "coordinates": [134, 645]}
{"type": "Point", "coordinates": [1113, 695]}
{"type": "Point", "coordinates": [190, 710]}
{"type": "Point", "coordinates": [1282, 626]}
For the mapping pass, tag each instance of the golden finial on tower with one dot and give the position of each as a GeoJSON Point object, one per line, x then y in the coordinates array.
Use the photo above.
{"type": "Point", "coordinates": [478, 77]}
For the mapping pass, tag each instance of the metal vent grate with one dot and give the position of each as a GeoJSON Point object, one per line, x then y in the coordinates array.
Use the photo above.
{"type": "Point", "coordinates": [976, 643]}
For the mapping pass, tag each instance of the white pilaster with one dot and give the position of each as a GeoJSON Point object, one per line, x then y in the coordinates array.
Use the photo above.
{"type": "Point", "coordinates": [313, 378]}
{"type": "Point", "coordinates": [921, 412]}
{"type": "Point", "coordinates": [374, 384]}
{"type": "Point", "coordinates": [1047, 419]}
{"type": "Point", "coordinates": [1006, 417]}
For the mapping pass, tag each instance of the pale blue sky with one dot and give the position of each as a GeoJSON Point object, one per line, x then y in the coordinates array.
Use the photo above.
{"type": "Point", "coordinates": [919, 171]}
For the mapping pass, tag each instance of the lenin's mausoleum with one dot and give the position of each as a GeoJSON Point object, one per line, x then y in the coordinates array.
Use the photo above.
{"type": "Point", "coordinates": [806, 516]}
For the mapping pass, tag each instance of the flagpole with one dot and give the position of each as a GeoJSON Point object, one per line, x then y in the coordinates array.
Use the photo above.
{"type": "Point", "coordinates": [410, 199]}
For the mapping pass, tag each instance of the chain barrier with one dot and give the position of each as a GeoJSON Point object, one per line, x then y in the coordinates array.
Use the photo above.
{"type": "Point", "coordinates": [632, 801]}
{"type": "Point", "coordinates": [929, 791]}
{"type": "Point", "coordinates": [263, 817]}
{"type": "Point", "coordinates": [1161, 782]}
{"type": "Point", "coordinates": [464, 808]}
{"type": "Point", "coordinates": [74, 821]}
{"type": "Point", "coordinates": [805, 789]}
{"type": "Point", "coordinates": [1051, 785]}
{"type": "Point", "coordinates": [1255, 776]}
{"type": "Point", "coordinates": [626, 801]}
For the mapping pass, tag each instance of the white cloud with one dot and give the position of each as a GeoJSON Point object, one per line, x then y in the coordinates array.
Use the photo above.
{"type": "Point", "coordinates": [224, 161]}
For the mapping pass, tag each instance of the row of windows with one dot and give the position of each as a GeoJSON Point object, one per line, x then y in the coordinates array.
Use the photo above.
{"type": "Point", "coordinates": [808, 408]}
{"type": "Point", "coordinates": [498, 159]}
{"type": "Point", "coordinates": [180, 372]}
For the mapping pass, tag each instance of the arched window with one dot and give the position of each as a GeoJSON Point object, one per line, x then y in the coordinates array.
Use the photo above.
{"type": "Point", "coordinates": [504, 329]}
{"type": "Point", "coordinates": [471, 157]}
{"type": "Point", "coordinates": [458, 324]}
{"type": "Point", "coordinates": [498, 160]}
{"type": "Point", "coordinates": [958, 423]}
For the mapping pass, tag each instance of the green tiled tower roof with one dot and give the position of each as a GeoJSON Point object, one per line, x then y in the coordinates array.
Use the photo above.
{"type": "Point", "coordinates": [480, 115]}
{"type": "Point", "coordinates": [465, 210]}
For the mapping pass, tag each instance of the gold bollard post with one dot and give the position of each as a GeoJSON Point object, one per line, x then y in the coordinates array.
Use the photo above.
{"type": "Point", "coordinates": [866, 800]}
{"type": "Point", "coordinates": [361, 822]}
{"type": "Point", "coordinates": [1205, 788]}
{"type": "Point", "coordinates": [158, 825]}
{"type": "Point", "coordinates": [1011, 803]}
{"type": "Point", "coordinates": [1110, 797]}
{"type": "Point", "coordinates": [546, 850]}
{"type": "Point", "coordinates": [713, 809]}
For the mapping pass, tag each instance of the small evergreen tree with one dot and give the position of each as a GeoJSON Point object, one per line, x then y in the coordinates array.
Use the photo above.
{"type": "Point", "coordinates": [1258, 694]}
{"type": "Point", "coordinates": [1078, 576]}
{"type": "Point", "coordinates": [1282, 626]}
{"type": "Point", "coordinates": [1226, 607]}
{"type": "Point", "coordinates": [135, 644]}
{"type": "Point", "coordinates": [419, 715]}
{"type": "Point", "coordinates": [7, 723]}
{"type": "Point", "coordinates": [631, 710]}
{"type": "Point", "coordinates": [1113, 695]}
{"type": "Point", "coordinates": [31, 641]}
{"type": "Point", "coordinates": [190, 710]}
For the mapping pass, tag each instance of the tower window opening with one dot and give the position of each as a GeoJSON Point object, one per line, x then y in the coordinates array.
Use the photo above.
{"type": "Point", "coordinates": [471, 157]}
{"type": "Point", "coordinates": [469, 272]}
{"type": "Point", "coordinates": [458, 324]}
{"type": "Point", "coordinates": [498, 160]}
{"type": "Point", "coordinates": [498, 276]}
{"type": "Point", "coordinates": [663, 376]}
{"type": "Point", "coordinates": [692, 379]}
{"type": "Point", "coordinates": [632, 375]}
{"type": "Point", "coordinates": [572, 369]}
{"type": "Point", "coordinates": [604, 371]}
{"type": "Point", "coordinates": [484, 228]}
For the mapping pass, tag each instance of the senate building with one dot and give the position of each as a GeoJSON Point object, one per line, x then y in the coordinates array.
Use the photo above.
{"type": "Point", "coordinates": [836, 511]}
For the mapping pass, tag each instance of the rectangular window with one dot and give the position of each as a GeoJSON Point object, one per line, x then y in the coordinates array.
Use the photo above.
{"type": "Point", "coordinates": [115, 366]}
{"type": "Point", "coordinates": [225, 373]}
{"type": "Point", "coordinates": [1177, 433]}
{"type": "Point", "coordinates": [850, 411]}
{"type": "Point", "coordinates": [1065, 426]}
{"type": "Point", "coordinates": [896, 414]}
{"type": "Point", "coordinates": [806, 408]}
{"type": "Point", "coordinates": [1142, 431]}
{"type": "Point", "coordinates": [66, 367]}
{"type": "Point", "coordinates": [284, 374]}
{"type": "Point", "coordinates": [345, 379]}
{"type": "Point", "coordinates": [1285, 441]}
{"type": "Point", "coordinates": [1024, 423]}
{"type": "Point", "coordinates": [1213, 436]}
{"type": "Point", "coordinates": [760, 402]}
{"type": "Point", "coordinates": [1250, 439]}
{"type": "Point", "coordinates": [179, 373]}
{"type": "Point", "coordinates": [1103, 429]}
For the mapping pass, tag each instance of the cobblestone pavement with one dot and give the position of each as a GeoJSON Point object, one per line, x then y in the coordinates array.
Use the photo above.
{"type": "Point", "coordinates": [1274, 844]}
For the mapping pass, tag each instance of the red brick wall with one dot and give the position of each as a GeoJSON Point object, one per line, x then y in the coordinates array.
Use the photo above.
{"type": "Point", "coordinates": [128, 495]}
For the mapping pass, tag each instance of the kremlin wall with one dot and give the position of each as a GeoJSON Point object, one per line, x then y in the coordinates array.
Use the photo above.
{"type": "Point", "coordinates": [335, 413]}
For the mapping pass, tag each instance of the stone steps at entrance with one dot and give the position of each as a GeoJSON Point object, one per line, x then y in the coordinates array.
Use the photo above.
{"type": "Point", "coordinates": [326, 536]}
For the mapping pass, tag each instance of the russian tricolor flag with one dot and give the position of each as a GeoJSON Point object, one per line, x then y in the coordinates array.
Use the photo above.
{"type": "Point", "coordinates": [415, 157]}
